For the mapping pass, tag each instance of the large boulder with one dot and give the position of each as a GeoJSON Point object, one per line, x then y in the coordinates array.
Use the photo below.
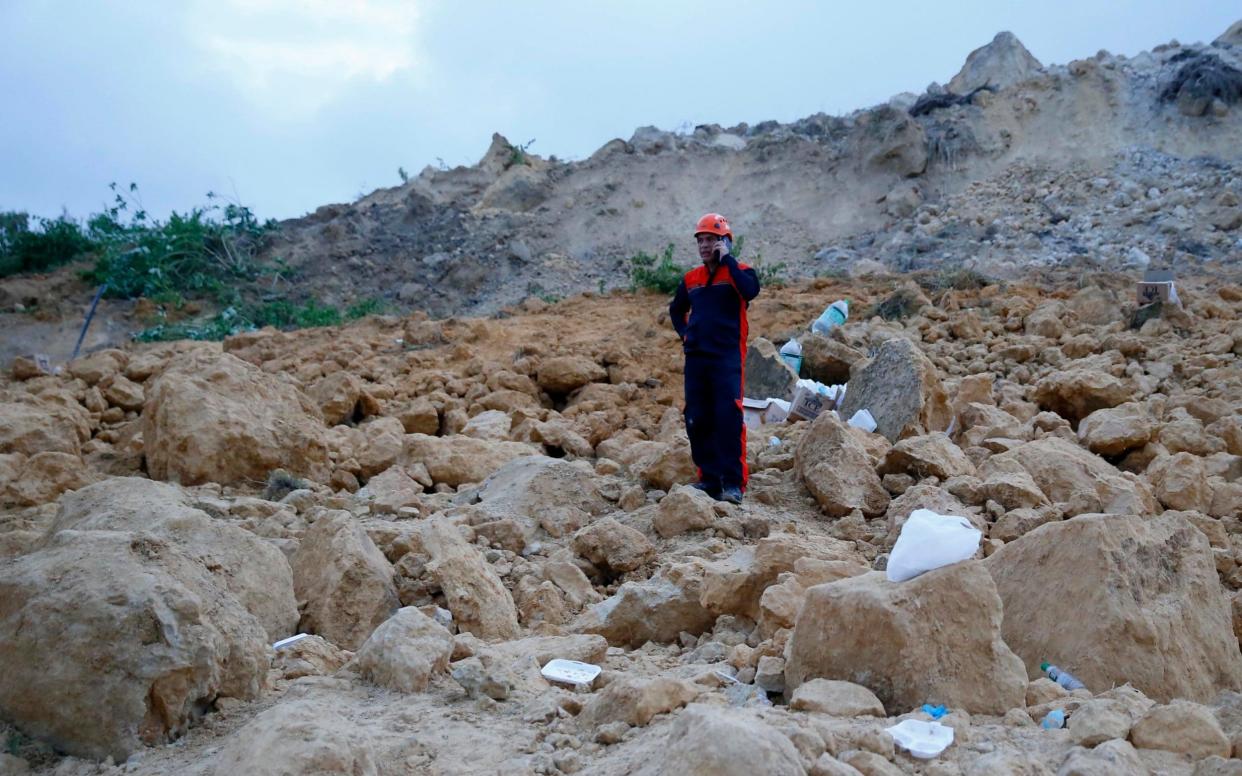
{"type": "Point", "coordinates": [826, 360]}
{"type": "Point", "coordinates": [612, 547]}
{"type": "Point", "coordinates": [1182, 726]}
{"type": "Point", "coordinates": [43, 477]}
{"type": "Point", "coordinates": [930, 455]}
{"type": "Point", "coordinates": [300, 736]}
{"type": "Point", "coordinates": [456, 460]}
{"type": "Point", "coordinates": [901, 390]}
{"type": "Point", "coordinates": [344, 584]}
{"type": "Point", "coordinates": [932, 639]}
{"type": "Point", "coordinates": [529, 487]}
{"type": "Point", "coordinates": [1068, 474]}
{"type": "Point", "coordinates": [254, 571]}
{"type": "Point", "coordinates": [1001, 63]}
{"type": "Point", "coordinates": [405, 651]}
{"type": "Point", "coordinates": [1180, 481]}
{"type": "Point", "coordinates": [658, 609]}
{"type": "Point", "coordinates": [1081, 389]}
{"type": "Point", "coordinates": [1144, 598]}
{"type": "Point", "coordinates": [30, 428]}
{"type": "Point", "coordinates": [722, 742]}
{"type": "Point", "coordinates": [564, 374]}
{"type": "Point", "coordinates": [112, 640]}
{"type": "Point", "coordinates": [735, 585]}
{"type": "Point", "coordinates": [837, 470]}
{"type": "Point", "coordinates": [473, 592]}
{"type": "Point", "coordinates": [767, 374]}
{"type": "Point", "coordinates": [211, 417]}
{"type": "Point", "coordinates": [1115, 430]}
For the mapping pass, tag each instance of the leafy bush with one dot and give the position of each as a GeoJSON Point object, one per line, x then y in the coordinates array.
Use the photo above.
{"type": "Point", "coordinates": [365, 307]}
{"type": "Point", "coordinates": [198, 253]}
{"type": "Point", "coordinates": [280, 313]}
{"type": "Point", "coordinates": [56, 241]}
{"type": "Point", "coordinates": [655, 274]}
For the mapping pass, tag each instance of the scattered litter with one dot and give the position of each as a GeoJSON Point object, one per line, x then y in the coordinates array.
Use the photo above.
{"type": "Point", "coordinates": [791, 352]}
{"type": "Point", "coordinates": [570, 672]}
{"type": "Point", "coordinates": [864, 420]}
{"type": "Point", "coordinates": [1062, 677]}
{"type": "Point", "coordinates": [935, 712]}
{"type": "Point", "coordinates": [726, 678]}
{"type": "Point", "coordinates": [774, 441]}
{"type": "Point", "coordinates": [1158, 286]}
{"type": "Point", "coordinates": [811, 398]}
{"type": "Point", "coordinates": [777, 412]}
{"type": "Point", "coordinates": [833, 315]}
{"type": "Point", "coordinates": [753, 411]}
{"type": "Point", "coordinates": [928, 541]}
{"type": "Point", "coordinates": [290, 641]}
{"type": "Point", "coordinates": [740, 694]}
{"type": "Point", "coordinates": [923, 740]}
{"type": "Point", "coordinates": [1053, 720]}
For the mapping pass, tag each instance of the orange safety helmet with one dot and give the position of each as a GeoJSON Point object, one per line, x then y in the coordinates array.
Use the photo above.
{"type": "Point", "coordinates": [714, 223]}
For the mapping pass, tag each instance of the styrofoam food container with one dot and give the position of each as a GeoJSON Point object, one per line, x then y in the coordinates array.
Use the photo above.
{"type": "Point", "coordinates": [570, 671]}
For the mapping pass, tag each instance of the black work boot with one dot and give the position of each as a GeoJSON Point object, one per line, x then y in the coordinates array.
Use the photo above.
{"type": "Point", "coordinates": [708, 488]}
{"type": "Point", "coordinates": [731, 493]}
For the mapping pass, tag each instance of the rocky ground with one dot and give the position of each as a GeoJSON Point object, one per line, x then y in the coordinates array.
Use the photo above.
{"type": "Point", "coordinates": [464, 499]}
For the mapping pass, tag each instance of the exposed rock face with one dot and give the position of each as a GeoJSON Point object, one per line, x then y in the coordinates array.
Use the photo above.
{"type": "Point", "coordinates": [1143, 593]}
{"type": "Point", "coordinates": [889, 637]}
{"type": "Point", "coordinates": [901, 389]}
{"type": "Point", "coordinates": [344, 584]}
{"type": "Point", "coordinates": [837, 470]}
{"type": "Point", "coordinates": [724, 742]}
{"type": "Point", "coordinates": [251, 569]}
{"type": "Point", "coordinates": [1001, 63]}
{"type": "Point", "coordinates": [299, 736]}
{"type": "Point", "coordinates": [405, 651]}
{"type": "Point", "coordinates": [143, 635]}
{"type": "Point", "coordinates": [211, 417]}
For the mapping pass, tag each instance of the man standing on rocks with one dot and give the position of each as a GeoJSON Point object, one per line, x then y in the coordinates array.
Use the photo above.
{"type": "Point", "coordinates": [709, 314]}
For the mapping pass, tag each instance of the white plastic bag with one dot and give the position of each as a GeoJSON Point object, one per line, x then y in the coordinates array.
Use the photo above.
{"type": "Point", "coordinates": [929, 541]}
{"type": "Point", "coordinates": [922, 739]}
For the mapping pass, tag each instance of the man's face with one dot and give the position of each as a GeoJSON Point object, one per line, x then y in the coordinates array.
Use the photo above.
{"type": "Point", "coordinates": [707, 245]}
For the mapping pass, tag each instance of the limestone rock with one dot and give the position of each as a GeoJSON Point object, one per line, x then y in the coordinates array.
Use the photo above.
{"type": "Point", "coordinates": [113, 640]}
{"type": "Point", "coordinates": [1180, 482]}
{"type": "Point", "coordinates": [636, 700]}
{"type": "Point", "coordinates": [1143, 594]}
{"type": "Point", "coordinates": [1001, 63]}
{"type": "Point", "coordinates": [837, 470]}
{"type": "Point", "coordinates": [120, 391]}
{"type": "Point", "coordinates": [254, 571]}
{"type": "Point", "coordinates": [723, 742]}
{"type": "Point", "coordinates": [1077, 391]}
{"type": "Point", "coordinates": [473, 592]}
{"type": "Point", "coordinates": [1111, 758]}
{"type": "Point", "coordinates": [211, 417]}
{"type": "Point", "coordinates": [1117, 430]}
{"type": "Point", "coordinates": [658, 609]}
{"type": "Point", "coordinates": [1097, 721]}
{"type": "Point", "coordinates": [299, 736]}
{"type": "Point", "coordinates": [613, 547]}
{"type": "Point", "coordinates": [391, 490]}
{"type": "Point", "coordinates": [767, 374]}
{"type": "Point", "coordinates": [734, 585]}
{"type": "Point", "coordinates": [565, 374]}
{"type": "Point", "coordinates": [930, 455]}
{"type": "Point", "coordinates": [344, 584]}
{"type": "Point", "coordinates": [1181, 726]}
{"type": "Point", "coordinates": [337, 396]}
{"type": "Point", "coordinates": [901, 389]}
{"type": "Point", "coordinates": [530, 487]}
{"type": "Point", "coordinates": [826, 360]}
{"type": "Point", "coordinates": [311, 656]}
{"type": "Point", "coordinates": [43, 477]}
{"type": "Point", "coordinates": [456, 460]}
{"type": "Point", "coordinates": [890, 638]}
{"type": "Point", "coordinates": [405, 651]}
{"type": "Point", "coordinates": [30, 428]}
{"type": "Point", "coordinates": [1067, 473]}
{"type": "Point", "coordinates": [682, 510]}
{"type": "Point", "coordinates": [840, 699]}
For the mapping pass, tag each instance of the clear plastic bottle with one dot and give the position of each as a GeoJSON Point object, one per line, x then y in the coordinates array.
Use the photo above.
{"type": "Point", "coordinates": [835, 315]}
{"type": "Point", "coordinates": [1061, 677]}
{"type": "Point", "coordinates": [791, 351]}
{"type": "Point", "coordinates": [1053, 720]}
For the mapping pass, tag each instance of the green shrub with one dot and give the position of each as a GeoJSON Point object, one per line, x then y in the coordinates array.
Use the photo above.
{"type": "Point", "coordinates": [365, 307]}
{"type": "Point", "coordinates": [54, 242]}
{"type": "Point", "coordinates": [280, 313]}
{"type": "Point", "coordinates": [660, 274]}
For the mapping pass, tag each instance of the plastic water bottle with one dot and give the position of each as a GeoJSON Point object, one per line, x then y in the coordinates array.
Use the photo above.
{"type": "Point", "coordinates": [1063, 678]}
{"type": "Point", "coordinates": [791, 351]}
{"type": "Point", "coordinates": [834, 315]}
{"type": "Point", "coordinates": [1053, 720]}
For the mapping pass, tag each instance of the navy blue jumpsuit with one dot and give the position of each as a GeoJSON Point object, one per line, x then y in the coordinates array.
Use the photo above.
{"type": "Point", "coordinates": [709, 314]}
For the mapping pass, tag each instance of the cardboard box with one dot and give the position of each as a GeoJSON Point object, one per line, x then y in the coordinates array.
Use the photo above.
{"type": "Point", "coordinates": [778, 412]}
{"type": "Point", "coordinates": [1157, 286]}
{"type": "Point", "coordinates": [807, 404]}
{"type": "Point", "coordinates": [753, 411]}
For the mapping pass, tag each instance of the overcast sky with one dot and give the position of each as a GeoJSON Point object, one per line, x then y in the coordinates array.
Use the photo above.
{"type": "Point", "coordinates": [291, 104]}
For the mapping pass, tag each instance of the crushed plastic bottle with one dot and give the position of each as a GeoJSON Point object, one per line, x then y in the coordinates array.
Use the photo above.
{"type": "Point", "coordinates": [791, 352]}
{"type": "Point", "coordinates": [1053, 720]}
{"type": "Point", "coordinates": [1061, 677]}
{"type": "Point", "coordinates": [835, 315]}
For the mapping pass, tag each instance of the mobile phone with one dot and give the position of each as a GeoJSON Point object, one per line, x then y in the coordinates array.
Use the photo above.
{"type": "Point", "coordinates": [723, 246]}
